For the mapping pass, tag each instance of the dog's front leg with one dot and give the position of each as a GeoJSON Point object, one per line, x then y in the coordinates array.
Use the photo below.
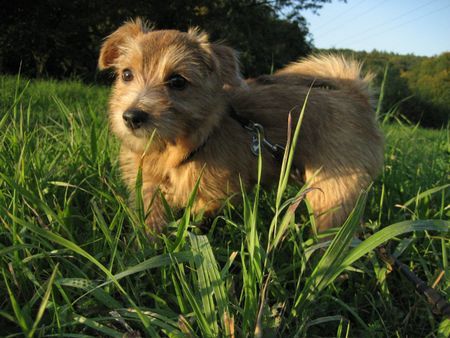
{"type": "Point", "coordinates": [156, 218]}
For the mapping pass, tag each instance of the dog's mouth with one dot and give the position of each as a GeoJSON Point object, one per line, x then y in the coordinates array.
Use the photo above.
{"type": "Point", "coordinates": [142, 124]}
{"type": "Point", "coordinates": [141, 133]}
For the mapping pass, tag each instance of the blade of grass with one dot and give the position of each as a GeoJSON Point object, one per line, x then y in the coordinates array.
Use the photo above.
{"type": "Point", "coordinates": [154, 262]}
{"type": "Point", "coordinates": [200, 317]}
{"type": "Point", "coordinates": [210, 266]}
{"type": "Point", "coordinates": [204, 283]}
{"type": "Point", "coordinates": [97, 326]}
{"type": "Point", "coordinates": [44, 302]}
{"type": "Point", "coordinates": [424, 194]}
{"type": "Point", "coordinates": [184, 221]}
{"type": "Point", "coordinates": [85, 284]}
{"type": "Point", "coordinates": [286, 167]}
{"type": "Point", "coordinates": [388, 233]}
{"type": "Point", "coordinates": [21, 320]}
{"type": "Point", "coordinates": [324, 272]}
{"type": "Point", "coordinates": [444, 328]}
{"type": "Point", "coordinates": [382, 88]}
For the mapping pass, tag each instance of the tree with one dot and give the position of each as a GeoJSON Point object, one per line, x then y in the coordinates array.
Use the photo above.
{"type": "Point", "coordinates": [61, 38]}
{"type": "Point", "coordinates": [418, 85]}
{"type": "Point", "coordinates": [430, 81]}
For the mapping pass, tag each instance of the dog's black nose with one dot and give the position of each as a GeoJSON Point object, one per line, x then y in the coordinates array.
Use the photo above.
{"type": "Point", "coordinates": [135, 118]}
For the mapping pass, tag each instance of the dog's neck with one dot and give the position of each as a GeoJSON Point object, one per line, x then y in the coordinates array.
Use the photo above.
{"type": "Point", "coordinates": [231, 112]}
{"type": "Point", "coordinates": [183, 149]}
{"type": "Point", "coordinates": [194, 152]}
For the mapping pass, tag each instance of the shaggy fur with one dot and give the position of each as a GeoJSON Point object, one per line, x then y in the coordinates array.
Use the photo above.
{"type": "Point", "coordinates": [339, 136]}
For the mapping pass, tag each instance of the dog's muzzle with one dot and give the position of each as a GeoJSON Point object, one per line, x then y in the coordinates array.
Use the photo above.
{"type": "Point", "coordinates": [135, 118]}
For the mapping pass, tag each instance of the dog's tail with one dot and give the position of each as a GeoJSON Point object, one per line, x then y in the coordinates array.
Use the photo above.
{"type": "Point", "coordinates": [334, 69]}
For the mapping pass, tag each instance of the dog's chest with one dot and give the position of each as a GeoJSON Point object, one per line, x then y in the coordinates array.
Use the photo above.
{"type": "Point", "coordinates": [177, 185]}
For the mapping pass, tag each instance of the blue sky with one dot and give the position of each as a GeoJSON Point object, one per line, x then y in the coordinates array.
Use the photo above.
{"type": "Point", "coordinates": [421, 27]}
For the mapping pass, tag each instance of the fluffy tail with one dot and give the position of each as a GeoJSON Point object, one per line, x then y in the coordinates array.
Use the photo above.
{"type": "Point", "coordinates": [335, 69]}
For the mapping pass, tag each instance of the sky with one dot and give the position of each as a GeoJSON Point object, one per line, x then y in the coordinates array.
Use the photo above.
{"type": "Point", "coordinates": [420, 27]}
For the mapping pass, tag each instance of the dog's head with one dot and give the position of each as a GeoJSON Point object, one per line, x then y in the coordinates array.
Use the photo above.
{"type": "Point", "coordinates": [168, 81]}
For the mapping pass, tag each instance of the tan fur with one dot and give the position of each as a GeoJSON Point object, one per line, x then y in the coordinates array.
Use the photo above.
{"type": "Point", "coordinates": [339, 136]}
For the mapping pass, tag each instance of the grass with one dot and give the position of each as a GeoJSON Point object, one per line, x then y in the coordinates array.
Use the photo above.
{"type": "Point", "coordinates": [75, 260]}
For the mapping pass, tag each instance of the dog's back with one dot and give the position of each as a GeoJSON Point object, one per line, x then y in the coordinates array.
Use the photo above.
{"type": "Point", "coordinates": [340, 148]}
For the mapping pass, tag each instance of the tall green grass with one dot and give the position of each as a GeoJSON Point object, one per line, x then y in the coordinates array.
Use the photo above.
{"type": "Point", "coordinates": [76, 261]}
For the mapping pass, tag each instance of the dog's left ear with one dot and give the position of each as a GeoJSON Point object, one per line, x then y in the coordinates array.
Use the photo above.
{"type": "Point", "coordinates": [224, 59]}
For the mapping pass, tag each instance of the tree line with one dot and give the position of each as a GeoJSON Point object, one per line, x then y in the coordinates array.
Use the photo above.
{"type": "Point", "coordinates": [416, 88]}
{"type": "Point", "coordinates": [61, 39]}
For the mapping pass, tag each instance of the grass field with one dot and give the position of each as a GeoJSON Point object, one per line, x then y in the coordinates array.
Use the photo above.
{"type": "Point", "coordinates": [75, 260]}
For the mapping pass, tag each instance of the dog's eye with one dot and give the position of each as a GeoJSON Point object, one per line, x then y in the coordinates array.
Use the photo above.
{"type": "Point", "coordinates": [176, 81]}
{"type": "Point", "coordinates": [127, 75]}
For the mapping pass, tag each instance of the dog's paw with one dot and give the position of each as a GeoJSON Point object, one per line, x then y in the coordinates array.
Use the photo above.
{"type": "Point", "coordinates": [155, 225]}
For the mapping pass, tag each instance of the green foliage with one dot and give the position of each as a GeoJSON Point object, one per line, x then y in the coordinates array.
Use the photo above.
{"type": "Point", "coordinates": [75, 259]}
{"type": "Point", "coordinates": [61, 39]}
{"type": "Point", "coordinates": [430, 81]}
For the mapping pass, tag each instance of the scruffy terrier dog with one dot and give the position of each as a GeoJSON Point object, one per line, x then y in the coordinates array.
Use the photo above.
{"type": "Point", "coordinates": [189, 94]}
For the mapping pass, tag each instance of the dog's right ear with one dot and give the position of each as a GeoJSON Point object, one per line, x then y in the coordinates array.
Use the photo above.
{"type": "Point", "coordinates": [228, 65]}
{"type": "Point", "coordinates": [223, 59]}
{"type": "Point", "coordinates": [110, 50]}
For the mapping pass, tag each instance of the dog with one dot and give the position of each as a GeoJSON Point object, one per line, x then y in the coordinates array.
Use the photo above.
{"type": "Point", "coordinates": [187, 95]}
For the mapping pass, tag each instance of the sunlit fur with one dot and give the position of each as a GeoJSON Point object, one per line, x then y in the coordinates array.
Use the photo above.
{"type": "Point", "coordinates": [339, 136]}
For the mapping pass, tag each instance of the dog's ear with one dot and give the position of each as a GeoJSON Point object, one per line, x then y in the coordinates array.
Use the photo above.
{"type": "Point", "coordinates": [224, 59]}
{"type": "Point", "coordinates": [228, 65]}
{"type": "Point", "coordinates": [110, 50]}
{"type": "Point", "coordinates": [198, 35]}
